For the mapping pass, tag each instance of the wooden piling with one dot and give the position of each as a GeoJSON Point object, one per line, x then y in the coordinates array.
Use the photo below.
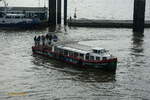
{"type": "Point", "coordinates": [139, 16]}
{"type": "Point", "coordinates": [58, 11]}
{"type": "Point", "coordinates": [65, 12]}
{"type": "Point", "coordinates": [52, 12]}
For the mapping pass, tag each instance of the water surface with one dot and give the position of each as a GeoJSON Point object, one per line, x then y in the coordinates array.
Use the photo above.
{"type": "Point", "coordinates": [31, 77]}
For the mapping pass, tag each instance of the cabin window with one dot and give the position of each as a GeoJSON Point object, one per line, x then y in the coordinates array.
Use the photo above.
{"type": "Point", "coordinates": [81, 56]}
{"type": "Point", "coordinates": [75, 54]}
{"type": "Point", "coordinates": [97, 58]}
{"type": "Point", "coordinates": [60, 51]}
{"type": "Point", "coordinates": [66, 52]}
{"type": "Point", "coordinates": [87, 57]}
{"type": "Point", "coordinates": [104, 58]}
{"type": "Point", "coordinates": [91, 57]}
{"type": "Point", "coordinates": [70, 53]}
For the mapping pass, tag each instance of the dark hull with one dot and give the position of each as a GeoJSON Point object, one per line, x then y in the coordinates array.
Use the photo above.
{"type": "Point", "coordinates": [109, 65]}
{"type": "Point", "coordinates": [24, 25]}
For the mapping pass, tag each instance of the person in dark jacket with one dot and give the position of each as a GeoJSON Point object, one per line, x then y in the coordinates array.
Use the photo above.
{"type": "Point", "coordinates": [43, 40]}
{"type": "Point", "coordinates": [35, 41]}
{"type": "Point", "coordinates": [38, 40]}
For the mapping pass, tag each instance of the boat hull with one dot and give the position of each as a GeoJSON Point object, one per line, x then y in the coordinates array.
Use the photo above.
{"type": "Point", "coordinates": [19, 25]}
{"type": "Point", "coordinates": [109, 65]}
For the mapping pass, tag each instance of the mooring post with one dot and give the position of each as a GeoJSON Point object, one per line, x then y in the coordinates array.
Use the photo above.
{"type": "Point", "coordinates": [58, 11]}
{"type": "Point", "coordinates": [65, 12]}
{"type": "Point", "coordinates": [52, 12]}
{"type": "Point", "coordinates": [139, 16]}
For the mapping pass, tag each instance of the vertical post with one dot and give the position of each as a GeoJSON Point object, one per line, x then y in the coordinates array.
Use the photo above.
{"type": "Point", "coordinates": [65, 12]}
{"type": "Point", "coordinates": [139, 16]}
{"type": "Point", "coordinates": [52, 12]}
{"type": "Point", "coordinates": [58, 11]}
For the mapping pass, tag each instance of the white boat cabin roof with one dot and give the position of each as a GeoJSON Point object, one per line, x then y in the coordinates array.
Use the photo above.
{"type": "Point", "coordinates": [97, 48]}
{"type": "Point", "coordinates": [15, 15]}
{"type": "Point", "coordinates": [73, 49]}
{"type": "Point", "coordinates": [79, 46]}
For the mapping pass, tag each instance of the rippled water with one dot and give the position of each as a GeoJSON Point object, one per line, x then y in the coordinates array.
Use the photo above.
{"type": "Point", "coordinates": [39, 78]}
{"type": "Point", "coordinates": [26, 76]}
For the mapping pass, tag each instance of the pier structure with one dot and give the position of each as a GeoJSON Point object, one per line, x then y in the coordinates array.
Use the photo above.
{"type": "Point", "coordinates": [138, 23]}
{"type": "Point", "coordinates": [104, 23]}
{"type": "Point", "coordinates": [65, 12]}
{"type": "Point", "coordinates": [58, 11]}
{"type": "Point", "coordinates": [52, 12]}
{"type": "Point", "coordinates": [55, 14]}
{"type": "Point", "coordinates": [139, 16]}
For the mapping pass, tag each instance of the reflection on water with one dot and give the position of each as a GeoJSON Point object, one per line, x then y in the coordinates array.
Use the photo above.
{"type": "Point", "coordinates": [137, 43]}
{"type": "Point", "coordinates": [137, 50]}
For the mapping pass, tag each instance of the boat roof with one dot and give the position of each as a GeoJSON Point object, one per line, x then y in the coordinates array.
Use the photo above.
{"type": "Point", "coordinates": [73, 49]}
{"type": "Point", "coordinates": [97, 48]}
{"type": "Point", "coordinates": [79, 46]}
{"type": "Point", "coordinates": [15, 14]}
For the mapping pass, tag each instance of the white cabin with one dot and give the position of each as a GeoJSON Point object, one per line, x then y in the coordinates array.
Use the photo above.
{"type": "Point", "coordinates": [87, 54]}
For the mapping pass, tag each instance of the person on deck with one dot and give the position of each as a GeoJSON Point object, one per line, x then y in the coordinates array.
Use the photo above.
{"type": "Point", "coordinates": [43, 40]}
{"type": "Point", "coordinates": [38, 40]}
{"type": "Point", "coordinates": [46, 39]}
{"type": "Point", "coordinates": [35, 41]}
{"type": "Point", "coordinates": [50, 39]}
{"type": "Point", "coordinates": [55, 38]}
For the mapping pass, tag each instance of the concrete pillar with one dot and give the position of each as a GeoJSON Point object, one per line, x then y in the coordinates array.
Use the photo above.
{"type": "Point", "coordinates": [65, 12]}
{"type": "Point", "coordinates": [139, 16]}
{"type": "Point", "coordinates": [52, 12]}
{"type": "Point", "coordinates": [58, 11]}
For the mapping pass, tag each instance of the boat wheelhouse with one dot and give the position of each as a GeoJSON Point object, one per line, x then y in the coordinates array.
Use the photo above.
{"type": "Point", "coordinates": [78, 54]}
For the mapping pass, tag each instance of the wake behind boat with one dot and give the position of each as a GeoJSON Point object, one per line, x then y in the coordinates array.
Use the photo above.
{"type": "Point", "coordinates": [73, 53]}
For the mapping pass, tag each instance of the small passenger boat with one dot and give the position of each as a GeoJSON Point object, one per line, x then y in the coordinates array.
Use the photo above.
{"type": "Point", "coordinates": [73, 53]}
